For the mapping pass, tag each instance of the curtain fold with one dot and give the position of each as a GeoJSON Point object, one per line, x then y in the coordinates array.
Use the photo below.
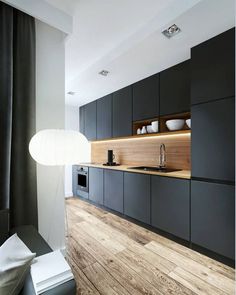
{"type": "Point", "coordinates": [6, 90]}
{"type": "Point", "coordinates": [17, 96]}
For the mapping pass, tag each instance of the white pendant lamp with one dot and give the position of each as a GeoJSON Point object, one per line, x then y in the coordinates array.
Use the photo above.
{"type": "Point", "coordinates": [56, 147]}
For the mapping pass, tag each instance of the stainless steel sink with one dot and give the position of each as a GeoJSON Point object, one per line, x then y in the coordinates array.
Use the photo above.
{"type": "Point", "coordinates": [157, 169]}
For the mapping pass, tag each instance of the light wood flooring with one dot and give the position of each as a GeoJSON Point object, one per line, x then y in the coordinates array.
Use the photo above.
{"type": "Point", "coordinates": [110, 255]}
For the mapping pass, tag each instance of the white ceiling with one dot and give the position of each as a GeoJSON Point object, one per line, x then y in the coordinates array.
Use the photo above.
{"type": "Point", "coordinates": [67, 6]}
{"type": "Point", "coordinates": [124, 37]}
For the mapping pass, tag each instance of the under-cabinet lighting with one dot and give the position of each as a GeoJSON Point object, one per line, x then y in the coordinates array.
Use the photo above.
{"type": "Point", "coordinates": [187, 134]}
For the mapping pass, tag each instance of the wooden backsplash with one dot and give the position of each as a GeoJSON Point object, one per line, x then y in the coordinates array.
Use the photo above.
{"type": "Point", "coordinates": [145, 151]}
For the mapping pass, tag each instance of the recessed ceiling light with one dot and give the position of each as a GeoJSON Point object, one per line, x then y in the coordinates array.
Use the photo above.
{"type": "Point", "coordinates": [171, 31]}
{"type": "Point", "coordinates": [104, 73]}
{"type": "Point", "coordinates": [71, 92]}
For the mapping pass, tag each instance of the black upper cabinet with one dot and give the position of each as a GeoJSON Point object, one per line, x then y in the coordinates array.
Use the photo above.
{"type": "Point", "coordinates": [170, 199]}
{"type": "Point", "coordinates": [122, 112]}
{"type": "Point", "coordinates": [213, 67]}
{"type": "Point", "coordinates": [213, 129]}
{"type": "Point", "coordinates": [213, 217]}
{"type": "Point", "coordinates": [137, 196]}
{"type": "Point", "coordinates": [113, 190]}
{"type": "Point", "coordinates": [146, 98]}
{"type": "Point", "coordinates": [90, 115]}
{"type": "Point", "coordinates": [175, 89]}
{"type": "Point", "coordinates": [81, 120]}
{"type": "Point", "coordinates": [104, 117]}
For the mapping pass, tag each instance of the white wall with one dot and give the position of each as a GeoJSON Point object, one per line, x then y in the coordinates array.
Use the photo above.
{"type": "Point", "coordinates": [50, 113]}
{"type": "Point", "coordinates": [71, 123]}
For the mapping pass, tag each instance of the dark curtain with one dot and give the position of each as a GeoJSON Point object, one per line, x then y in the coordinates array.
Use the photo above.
{"type": "Point", "coordinates": [18, 192]}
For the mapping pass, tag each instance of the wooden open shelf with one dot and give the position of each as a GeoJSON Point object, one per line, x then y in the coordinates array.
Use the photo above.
{"type": "Point", "coordinates": [162, 123]}
{"type": "Point", "coordinates": [163, 119]}
{"type": "Point", "coordinates": [140, 124]}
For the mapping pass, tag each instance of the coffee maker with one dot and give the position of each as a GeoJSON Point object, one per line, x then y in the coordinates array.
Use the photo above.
{"type": "Point", "coordinates": [110, 159]}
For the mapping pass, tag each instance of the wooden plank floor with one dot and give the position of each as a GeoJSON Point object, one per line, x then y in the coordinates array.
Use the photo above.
{"type": "Point", "coordinates": [110, 255]}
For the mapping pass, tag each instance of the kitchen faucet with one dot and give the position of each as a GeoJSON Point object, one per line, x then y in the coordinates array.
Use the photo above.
{"type": "Point", "coordinates": [162, 157]}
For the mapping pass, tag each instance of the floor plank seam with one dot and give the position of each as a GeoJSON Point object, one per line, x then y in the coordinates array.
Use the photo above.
{"type": "Point", "coordinates": [134, 260]}
{"type": "Point", "coordinates": [85, 275]}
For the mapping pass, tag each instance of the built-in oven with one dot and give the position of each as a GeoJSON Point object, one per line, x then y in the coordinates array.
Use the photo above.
{"type": "Point", "coordinates": [81, 181]}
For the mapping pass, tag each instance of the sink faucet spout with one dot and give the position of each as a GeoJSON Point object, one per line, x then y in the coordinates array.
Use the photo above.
{"type": "Point", "coordinates": [162, 157]}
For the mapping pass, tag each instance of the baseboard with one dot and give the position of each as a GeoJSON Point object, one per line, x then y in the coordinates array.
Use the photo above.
{"type": "Point", "coordinates": [68, 194]}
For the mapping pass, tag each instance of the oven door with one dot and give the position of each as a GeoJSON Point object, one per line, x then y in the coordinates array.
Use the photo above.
{"type": "Point", "coordinates": [82, 181]}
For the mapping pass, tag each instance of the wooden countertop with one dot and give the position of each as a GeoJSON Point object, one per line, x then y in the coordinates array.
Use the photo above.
{"type": "Point", "coordinates": [185, 174]}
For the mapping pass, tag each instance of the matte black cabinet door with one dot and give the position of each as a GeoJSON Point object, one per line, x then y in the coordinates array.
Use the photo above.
{"type": "Point", "coordinates": [213, 67]}
{"type": "Point", "coordinates": [81, 120]}
{"type": "Point", "coordinates": [137, 196]}
{"type": "Point", "coordinates": [96, 185]}
{"type": "Point", "coordinates": [74, 180]}
{"type": "Point", "coordinates": [113, 190]}
{"type": "Point", "coordinates": [122, 112]}
{"type": "Point", "coordinates": [104, 117]}
{"type": "Point", "coordinates": [213, 217]}
{"type": "Point", "coordinates": [90, 115]}
{"type": "Point", "coordinates": [146, 98]}
{"type": "Point", "coordinates": [213, 140]}
{"type": "Point", "coordinates": [175, 89]}
{"type": "Point", "coordinates": [170, 201]}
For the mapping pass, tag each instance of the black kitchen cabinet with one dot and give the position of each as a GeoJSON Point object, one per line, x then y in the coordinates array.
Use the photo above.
{"type": "Point", "coordinates": [170, 199]}
{"type": "Point", "coordinates": [146, 98]}
{"type": "Point", "coordinates": [74, 180]}
{"type": "Point", "coordinates": [122, 112]}
{"type": "Point", "coordinates": [213, 217]}
{"type": "Point", "coordinates": [137, 196]}
{"type": "Point", "coordinates": [213, 68]}
{"type": "Point", "coordinates": [213, 129]}
{"type": "Point", "coordinates": [81, 120]}
{"type": "Point", "coordinates": [113, 190]}
{"type": "Point", "coordinates": [175, 89]}
{"type": "Point", "coordinates": [96, 185]}
{"type": "Point", "coordinates": [104, 117]}
{"type": "Point", "coordinates": [90, 115]}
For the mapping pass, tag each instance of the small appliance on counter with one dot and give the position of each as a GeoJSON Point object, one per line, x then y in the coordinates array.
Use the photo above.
{"type": "Point", "coordinates": [110, 158]}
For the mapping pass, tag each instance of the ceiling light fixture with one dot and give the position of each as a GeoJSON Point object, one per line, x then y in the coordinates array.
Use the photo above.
{"type": "Point", "coordinates": [171, 31]}
{"type": "Point", "coordinates": [104, 73]}
{"type": "Point", "coordinates": [71, 92]}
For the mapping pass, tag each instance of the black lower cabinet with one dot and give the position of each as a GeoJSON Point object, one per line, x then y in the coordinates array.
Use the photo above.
{"type": "Point", "coordinates": [113, 190]}
{"type": "Point", "coordinates": [74, 180]}
{"type": "Point", "coordinates": [96, 185]}
{"type": "Point", "coordinates": [213, 217]}
{"type": "Point", "coordinates": [170, 199]}
{"type": "Point", "coordinates": [137, 196]}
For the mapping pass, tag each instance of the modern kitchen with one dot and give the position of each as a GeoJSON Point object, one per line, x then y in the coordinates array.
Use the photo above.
{"type": "Point", "coordinates": [162, 151]}
{"type": "Point", "coordinates": [117, 147]}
